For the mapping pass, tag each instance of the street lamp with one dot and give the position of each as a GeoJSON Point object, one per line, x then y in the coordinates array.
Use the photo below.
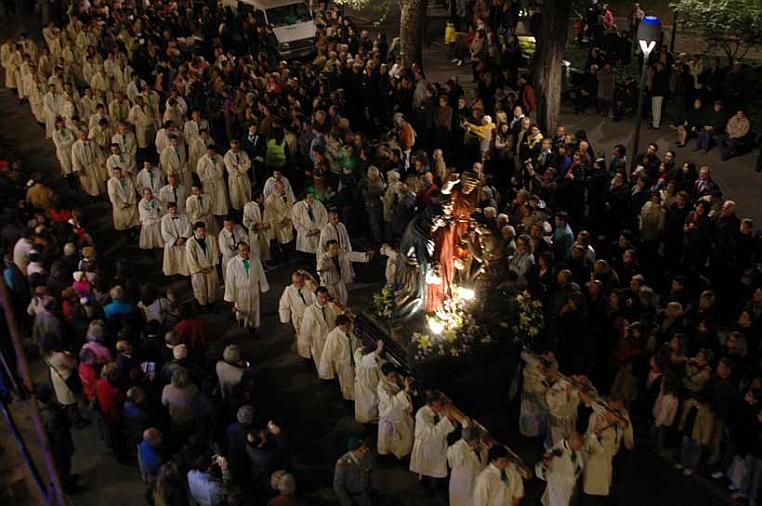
{"type": "Point", "coordinates": [649, 34]}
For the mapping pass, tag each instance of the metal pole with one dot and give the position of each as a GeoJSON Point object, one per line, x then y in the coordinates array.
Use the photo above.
{"type": "Point", "coordinates": [641, 89]}
{"type": "Point", "coordinates": [34, 409]}
{"type": "Point", "coordinates": [673, 35]}
{"type": "Point", "coordinates": [41, 487]}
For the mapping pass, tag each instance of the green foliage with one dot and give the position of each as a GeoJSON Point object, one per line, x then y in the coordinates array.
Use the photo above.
{"type": "Point", "coordinates": [732, 26]}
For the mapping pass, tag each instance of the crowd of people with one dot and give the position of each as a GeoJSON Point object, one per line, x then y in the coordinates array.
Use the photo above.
{"type": "Point", "coordinates": [227, 162]}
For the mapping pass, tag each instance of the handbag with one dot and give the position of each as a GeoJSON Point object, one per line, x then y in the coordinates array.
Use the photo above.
{"type": "Point", "coordinates": [73, 382]}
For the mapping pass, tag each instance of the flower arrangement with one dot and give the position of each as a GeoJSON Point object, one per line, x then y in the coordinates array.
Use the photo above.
{"type": "Point", "coordinates": [454, 332]}
{"type": "Point", "coordinates": [383, 302]}
{"type": "Point", "coordinates": [528, 319]}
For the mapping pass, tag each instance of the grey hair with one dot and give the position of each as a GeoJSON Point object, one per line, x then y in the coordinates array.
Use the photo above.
{"type": "Point", "coordinates": [373, 170]}
{"type": "Point", "coordinates": [287, 484]}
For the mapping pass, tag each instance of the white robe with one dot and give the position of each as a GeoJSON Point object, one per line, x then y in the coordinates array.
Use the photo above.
{"type": "Point", "coordinates": [202, 211]}
{"type": "Point", "coordinates": [305, 226]}
{"type": "Point", "coordinates": [429, 456]}
{"type": "Point", "coordinates": [85, 163]}
{"type": "Point", "coordinates": [336, 280]}
{"type": "Point", "coordinates": [237, 165]}
{"type": "Point", "coordinates": [172, 161]}
{"type": "Point", "coordinates": [129, 149]}
{"type": "Point", "coordinates": [123, 203]}
{"type": "Point", "coordinates": [395, 420]}
{"type": "Point", "coordinates": [367, 376]}
{"type": "Point", "coordinates": [50, 111]}
{"type": "Point", "coordinates": [338, 359]}
{"type": "Point", "coordinates": [204, 285]}
{"type": "Point", "coordinates": [278, 211]}
{"type": "Point", "coordinates": [151, 178]}
{"type": "Point", "coordinates": [600, 451]}
{"type": "Point", "coordinates": [150, 212]}
{"type": "Point", "coordinates": [119, 112]}
{"type": "Point", "coordinates": [254, 220]}
{"type": "Point", "coordinates": [242, 288]}
{"type": "Point", "coordinates": [196, 150]}
{"type": "Point", "coordinates": [210, 173]}
{"type": "Point", "coordinates": [337, 233]}
{"type": "Point", "coordinates": [491, 490]}
{"type": "Point", "coordinates": [533, 416]}
{"type": "Point", "coordinates": [561, 475]}
{"type": "Point", "coordinates": [269, 187]}
{"type": "Point", "coordinates": [563, 408]}
{"type": "Point", "coordinates": [145, 125]}
{"type": "Point", "coordinates": [228, 243]}
{"type": "Point", "coordinates": [314, 329]}
{"type": "Point", "coordinates": [64, 139]}
{"type": "Point", "coordinates": [191, 129]}
{"type": "Point", "coordinates": [291, 306]}
{"type": "Point", "coordinates": [174, 255]}
{"type": "Point", "coordinates": [465, 467]}
{"type": "Point", "coordinates": [167, 195]}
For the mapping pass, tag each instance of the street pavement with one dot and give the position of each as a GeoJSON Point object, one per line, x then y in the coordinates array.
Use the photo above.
{"type": "Point", "coordinates": [312, 413]}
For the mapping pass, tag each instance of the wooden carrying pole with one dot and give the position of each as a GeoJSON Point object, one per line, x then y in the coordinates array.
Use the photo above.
{"type": "Point", "coordinates": [58, 498]}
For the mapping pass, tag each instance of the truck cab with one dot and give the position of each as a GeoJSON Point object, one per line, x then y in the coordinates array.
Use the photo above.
{"type": "Point", "coordinates": [291, 21]}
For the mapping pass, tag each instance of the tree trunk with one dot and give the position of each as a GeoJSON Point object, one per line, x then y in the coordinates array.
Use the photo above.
{"type": "Point", "coordinates": [551, 45]}
{"type": "Point", "coordinates": [412, 17]}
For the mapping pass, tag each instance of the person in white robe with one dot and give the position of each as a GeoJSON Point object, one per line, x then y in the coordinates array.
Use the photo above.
{"type": "Point", "coordinates": [173, 161]}
{"type": "Point", "coordinates": [37, 97]}
{"type": "Point", "coordinates": [500, 483]}
{"type": "Point", "coordinates": [119, 108]}
{"type": "Point", "coordinates": [152, 100]}
{"type": "Point", "coordinates": [563, 403]}
{"type": "Point", "coordinates": [202, 257]}
{"type": "Point", "coordinates": [175, 231]}
{"type": "Point", "coordinates": [237, 163]}
{"type": "Point", "coordinates": [121, 193]}
{"type": "Point", "coordinates": [198, 148]}
{"type": "Point", "coordinates": [296, 298]}
{"type": "Point", "coordinates": [309, 217]}
{"type": "Point", "coordinates": [367, 376]}
{"type": "Point", "coordinates": [210, 170]}
{"type": "Point", "coordinates": [100, 134]}
{"type": "Point", "coordinates": [228, 239]}
{"type": "Point", "coordinates": [333, 230]}
{"type": "Point", "coordinates": [118, 159]}
{"type": "Point", "coordinates": [336, 272]}
{"type": "Point", "coordinates": [128, 146]}
{"type": "Point", "coordinates": [180, 104]}
{"type": "Point", "coordinates": [244, 282]}
{"type": "Point", "coordinates": [278, 177]}
{"type": "Point", "coordinates": [150, 211]}
{"type": "Point", "coordinates": [395, 413]}
{"type": "Point", "coordinates": [318, 320]}
{"type": "Point", "coordinates": [85, 164]}
{"type": "Point", "coordinates": [101, 85]}
{"type": "Point", "coordinates": [338, 357]}
{"type": "Point", "coordinates": [50, 110]}
{"type": "Point", "coordinates": [603, 439]}
{"type": "Point", "coordinates": [560, 469]}
{"type": "Point", "coordinates": [257, 220]}
{"type": "Point", "coordinates": [193, 126]}
{"type": "Point", "coordinates": [143, 118]}
{"type": "Point", "coordinates": [63, 139]}
{"type": "Point", "coordinates": [466, 459]}
{"type": "Point", "coordinates": [279, 207]}
{"type": "Point", "coordinates": [173, 112]}
{"type": "Point", "coordinates": [432, 425]}
{"type": "Point", "coordinates": [151, 177]}
{"type": "Point", "coordinates": [173, 192]}
{"type": "Point", "coordinates": [199, 208]}
{"type": "Point", "coordinates": [533, 415]}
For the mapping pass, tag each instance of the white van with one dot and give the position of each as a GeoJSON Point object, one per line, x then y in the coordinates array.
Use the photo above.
{"type": "Point", "coordinates": [292, 24]}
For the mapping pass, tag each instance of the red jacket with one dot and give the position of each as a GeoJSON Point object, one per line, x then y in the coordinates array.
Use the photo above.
{"type": "Point", "coordinates": [110, 401]}
{"type": "Point", "coordinates": [192, 333]}
{"type": "Point", "coordinates": [89, 377]}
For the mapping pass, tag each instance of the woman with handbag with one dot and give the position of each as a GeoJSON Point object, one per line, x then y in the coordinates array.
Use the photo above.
{"type": "Point", "coordinates": [64, 378]}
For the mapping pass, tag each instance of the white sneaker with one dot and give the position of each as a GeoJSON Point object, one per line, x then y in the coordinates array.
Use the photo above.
{"type": "Point", "coordinates": [678, 466]}
{"type": "Point", "coordinates": [716, 475]}
{"type": "Point", "coordinates": [454, 60]}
